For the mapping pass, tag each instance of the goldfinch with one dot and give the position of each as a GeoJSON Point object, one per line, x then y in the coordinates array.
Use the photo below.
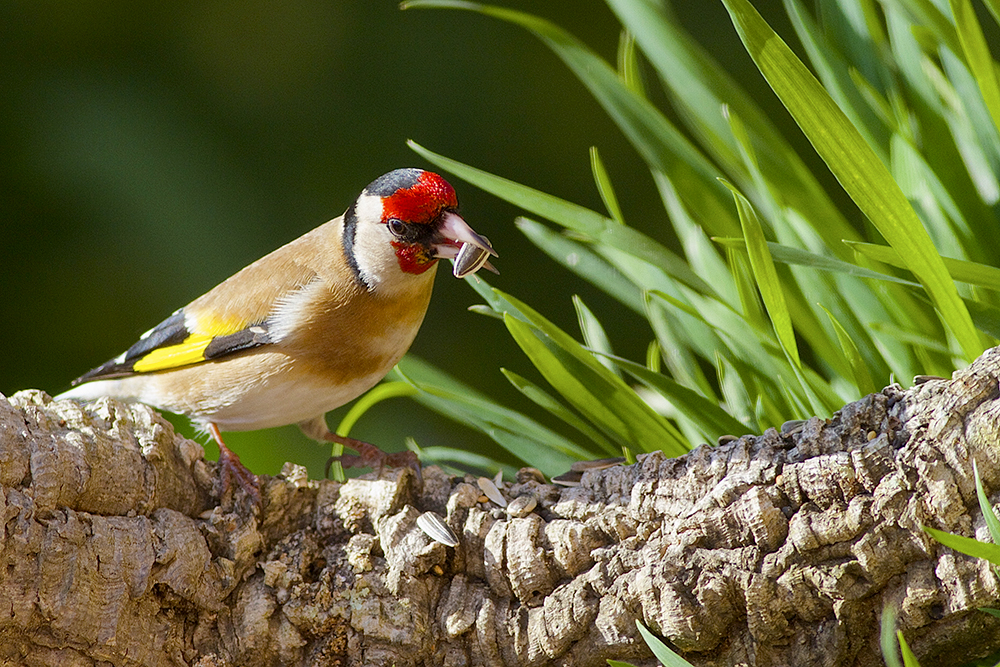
{"type": "Point", "coordinates": [305, 329]}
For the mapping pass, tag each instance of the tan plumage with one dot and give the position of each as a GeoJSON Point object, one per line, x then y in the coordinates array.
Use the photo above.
{"type": "Point", "coordinates": [306, 328]}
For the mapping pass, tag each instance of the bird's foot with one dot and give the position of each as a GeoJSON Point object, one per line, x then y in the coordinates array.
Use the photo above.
{"type": "Point", "coordinates": [232, 472]}
{"type": "Point", "coordinates": [370, 456]}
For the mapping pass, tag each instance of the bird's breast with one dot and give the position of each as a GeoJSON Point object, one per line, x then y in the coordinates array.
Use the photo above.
{"type": "Point", "coordinates": [360, 336]}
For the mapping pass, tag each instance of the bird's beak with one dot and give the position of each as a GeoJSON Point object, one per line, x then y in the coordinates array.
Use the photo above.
{"type": "Point", "coordinates": [470, 251]}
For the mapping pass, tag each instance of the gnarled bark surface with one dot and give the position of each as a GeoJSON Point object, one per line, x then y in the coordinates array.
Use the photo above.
{"type": "Point", "coordinates": [781, 549]}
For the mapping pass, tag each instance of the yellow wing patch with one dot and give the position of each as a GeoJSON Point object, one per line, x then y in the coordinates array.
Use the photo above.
{"type": "Point", "coordinates": [212, 325]}
{"type": "Point", "coordinates": [191, 351]}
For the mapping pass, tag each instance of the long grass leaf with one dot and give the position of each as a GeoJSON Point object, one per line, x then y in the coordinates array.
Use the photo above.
{"type": "Point", "coordinates": [928, 17]}
{"type": "Point", "coordinates": [545, 400]}
{"type": "Point", "coordinates": [985, 316]}
{"type": "Point", "coordinates": [767, 277]}
{"type": "Point", "coordinates": [862, 379]}
{"type": "Point", "coordinates": [994, 7]}
{"type": "Point", "coordinates": [578, 258]}
{"type": "Point", "coordinates": [966, 545]}
{"type": "Point", "coordinates": [644, 428]}
{"type": "Point", "coordinates": [796, 256]}
{"type": "Point", "coordinates": [597, 393]}
{"type": "Point", "coordinates": [852, 161]}
{"type": "Point", "coordinates": [594, 335]}
{"type": "Point", "coordinates": [520, 435]}
{"type": "Point", "coordinates": [628, 64]}
{"type": "Point", "coordinates": [380, 393]}
{"type": "Point", "coordinates": [666, 656]}
{"type": "Point", "coordinates": [604, 187]}
{"type": "Point", "coordinates": [992, 522]}
{"type": "Point", "coordinates": [443, 456]}
{"type": "Point", "coordinates": [572, 216]}
{"type": "Point", "coordinates": [887, 638]}
{"type": "Point", "coordinates": [961, 270]}
{"type": "Point", "coordinates": [708, 416]}
{"type": "Point", "coordinates": [682, 359]}
{"type": "Point", "coordinates": [909, 659]}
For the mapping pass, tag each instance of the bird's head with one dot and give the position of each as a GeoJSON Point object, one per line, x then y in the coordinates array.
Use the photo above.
{"type": "Point", "coordinates": [405, 221]}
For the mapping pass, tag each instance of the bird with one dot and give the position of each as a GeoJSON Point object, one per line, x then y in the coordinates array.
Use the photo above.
{"type": "Point", "coordinates": [305, 329]}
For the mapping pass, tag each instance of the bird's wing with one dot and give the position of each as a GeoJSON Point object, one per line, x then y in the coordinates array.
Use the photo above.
{"type": "Point", "coordinates": [232, 317]}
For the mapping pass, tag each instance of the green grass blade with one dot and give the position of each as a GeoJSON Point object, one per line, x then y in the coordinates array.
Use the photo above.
{"type": "Point", "coordinates": [887, 638]}
{"type": "Point", "coordinates": [909, 336]}
{"type": "Point", "coordinates": [909, 660]}
{"type": "Point", "coordinates": [444, 456]}
{"type": "Point", "coordinates": [929, 18]}
{"type": "Point", "coordinates": [751, 306]}
{"type": "Point", "coordinates": [628, 64]}
{"type": "Point", "coordinates": [672, 334]}
{"type": "Point", "coordinates": [572, 216]}
{"type": "Point", "coordinates": [862, 379]}
{"type": "Point", "coordinates": [708, 416]}
{"type": "Point", "coordinates": [644, 428]}
{"type": "Point", "coordinates": [986, 317]}
{"type": "Point", "coordinates": [961, 270]}
{"type": "Point", "coordinates": [594, 335]}
{"type": "Point", "coordinates": [766, 277]}
{"type": "Point", "coordinates": [798, 257]}
{"type": "Point", "coordinates": [677, 303]}
{"type": "Point", "coordinates": [865, 178]}
{"type": "Point", "coordinates": [992, 522]}
{"type": "Point", "coordinates": [824, 52]}
{"type": "Point", "coordinates": [520, 435]}
{"type": "Point", "coordinates": [578, 258]}
{"type": "Point", "coordinates": [701, 86]}
{"type": "Point", "coordinates": [382, 392]}
{"type": "Point", "coordinates": [666, 656]}
{"type": "Point", "coordinates": [604, 187]}
{"type": "Point", "coordinates": [543, 399]}
{"type": "Point", "coordinates": [596, 392]}
{"type": "Point", "coordinates": [971, 547]}
{"type": "Point", "coordinates": [994, 7]}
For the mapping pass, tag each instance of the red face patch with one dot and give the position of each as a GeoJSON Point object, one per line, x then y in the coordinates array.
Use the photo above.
{"type": "Point", "coordinates": [422, 202]}
{"type": "Point", "coordinates": [413, 257]}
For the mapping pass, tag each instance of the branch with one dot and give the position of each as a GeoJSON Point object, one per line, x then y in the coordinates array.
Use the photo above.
{"type": "Point", "coordinates": [772, 550]}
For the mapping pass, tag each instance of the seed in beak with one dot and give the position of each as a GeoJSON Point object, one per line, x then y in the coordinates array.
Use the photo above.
{"type": "Point", "coordinates": [470, 259]}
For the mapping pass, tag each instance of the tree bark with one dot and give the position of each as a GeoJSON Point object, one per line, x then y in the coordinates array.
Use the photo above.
{"type": "Point", "coordinates": [781, 549]}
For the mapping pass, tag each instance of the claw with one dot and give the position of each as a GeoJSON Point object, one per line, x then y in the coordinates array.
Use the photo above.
{"type": "Point", "coordinates": [231, 469]}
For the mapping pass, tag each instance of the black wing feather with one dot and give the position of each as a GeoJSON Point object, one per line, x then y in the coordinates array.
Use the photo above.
{"type": "Point", "coordinates": [253, 336]}
{"type": "Point", "coordinates": [173, 331]}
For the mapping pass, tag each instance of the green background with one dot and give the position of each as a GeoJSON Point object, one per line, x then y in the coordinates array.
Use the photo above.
{"type": "Point", "coordinates": [147, 152]}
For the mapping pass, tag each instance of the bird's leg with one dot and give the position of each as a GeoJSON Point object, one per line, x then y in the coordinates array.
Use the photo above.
{"type": "Point", "coordinates": [232, 469]}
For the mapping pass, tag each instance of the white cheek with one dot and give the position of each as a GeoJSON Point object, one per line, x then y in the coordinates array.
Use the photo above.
{"type": "Point", "coordinates": [374, 253]}
{"type": "Point", "coordinates": [368, 207]}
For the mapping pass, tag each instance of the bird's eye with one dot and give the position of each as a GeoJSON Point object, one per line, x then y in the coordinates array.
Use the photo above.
{"type": "Point", "coordinates": [397, 227]}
